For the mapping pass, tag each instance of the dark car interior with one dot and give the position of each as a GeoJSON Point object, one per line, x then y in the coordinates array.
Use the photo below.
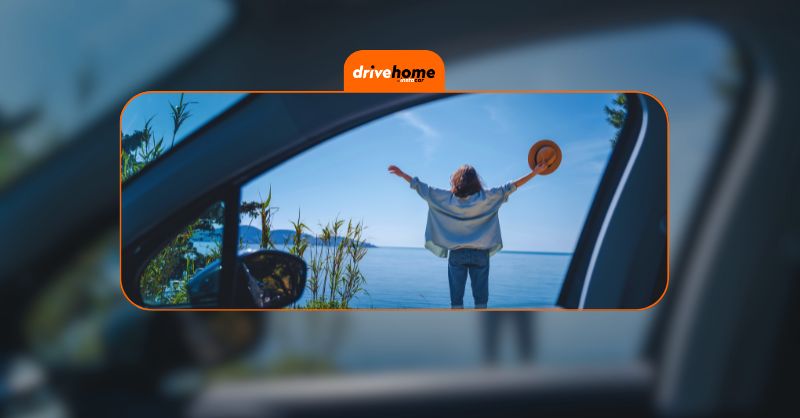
{"type": "Point", "coordinates": [721, 342]}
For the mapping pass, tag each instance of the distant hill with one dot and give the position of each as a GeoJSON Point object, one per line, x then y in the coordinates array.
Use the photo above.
{"type": "Point", "coordinates": [252, 235]}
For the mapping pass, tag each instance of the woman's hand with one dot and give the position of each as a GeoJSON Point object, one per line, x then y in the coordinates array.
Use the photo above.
{"type": "Point", "coordinates": [399, 173]}
{"type": "Point", "coordinates": [541, 167]}
{"type": "Point", "coordinates": [396, 170]}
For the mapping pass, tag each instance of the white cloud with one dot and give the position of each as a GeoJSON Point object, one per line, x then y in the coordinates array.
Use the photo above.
{"type": "Point", "coordinates": [430, 136]}
{"type": "Point", "coordinates": [496, 116]}
{"type": "Point", "coordinates": [590, 155]}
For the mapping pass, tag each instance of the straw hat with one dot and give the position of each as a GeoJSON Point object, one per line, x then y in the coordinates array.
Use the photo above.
{"type": "Point", "coordinates": [545, 150]}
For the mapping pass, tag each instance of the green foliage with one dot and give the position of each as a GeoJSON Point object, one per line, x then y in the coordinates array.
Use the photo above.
{"type": "Point", "coordinates": [215, 253]}
{"type": "Point", "coordinates": [178, 262]}
{"type": "Point", "coordinates": [354, 280]}
{"type": "Point", "coordinates": [139, 149]}
{"type": "Point", "coordinates": [334, 265]}
{"type": "Point", "coordinates": [324, 304]}
{"type": "Point", "coordinates": [179, 115]}
{"type": "Point", "coordinates": [299, 244]}
{"type": "Point", "coordinates": [616, 114]}
{"type": "Point", "coordinates": [333, 257]}
{"type": "Point", "coordinates": [168, 265]}
{"type": "Point", "coordinates": [264, 211]}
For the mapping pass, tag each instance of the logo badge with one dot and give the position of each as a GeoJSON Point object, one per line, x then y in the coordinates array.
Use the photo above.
{"type": "Point", "coordinates": [394, 71]}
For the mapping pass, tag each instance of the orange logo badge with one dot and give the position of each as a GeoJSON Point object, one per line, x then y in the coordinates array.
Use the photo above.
{"type": "Point", "coordinates": [394, 71]}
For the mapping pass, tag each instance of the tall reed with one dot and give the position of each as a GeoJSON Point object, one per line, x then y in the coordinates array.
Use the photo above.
{"type": "Point", "coordinates": [264, 211]}
{"type": "Point", "coordinates": [335, 276]}
{"type": "Point", "coordinates": [179, 113]}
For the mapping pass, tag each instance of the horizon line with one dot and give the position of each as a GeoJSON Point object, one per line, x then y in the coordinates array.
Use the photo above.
{"type": "Point", "coordinates": [501, 251]}
{"type": "Point", "coordinates": [423, 248]}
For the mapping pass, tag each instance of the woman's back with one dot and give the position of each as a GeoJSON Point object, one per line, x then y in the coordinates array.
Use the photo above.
{"type": "Point", "coordinates": [469, 222]}
{"type": "Point", "coordinates": [478, 204]}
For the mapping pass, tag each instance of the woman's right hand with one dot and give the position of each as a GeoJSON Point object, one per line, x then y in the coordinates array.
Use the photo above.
{"type": "Point", "coordinates": [399, 173]}
{"type": "Point", "coordinates": [396, 170]}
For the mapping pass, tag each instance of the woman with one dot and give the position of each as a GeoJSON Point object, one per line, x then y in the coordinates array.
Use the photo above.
{"type": "Point", "coordinates": [463, 221]}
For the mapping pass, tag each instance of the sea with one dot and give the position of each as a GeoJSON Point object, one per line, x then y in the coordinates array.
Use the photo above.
{"type": "Point", "coordinates": [415, 278]}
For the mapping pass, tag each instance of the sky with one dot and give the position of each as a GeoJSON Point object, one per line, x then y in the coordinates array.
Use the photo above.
{"type": "Point", "coordinates": [696, 110]}
{"type": "Point", "coordinates": [347, 176]}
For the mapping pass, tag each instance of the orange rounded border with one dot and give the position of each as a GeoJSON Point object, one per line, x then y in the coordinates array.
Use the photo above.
{"type": "Point", "coordinates": [119, 173]}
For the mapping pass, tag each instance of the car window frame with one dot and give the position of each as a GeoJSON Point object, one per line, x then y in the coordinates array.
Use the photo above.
{"type": "Point", "coordinates": [230, 191]}
{"type": "Point", "coordinates": [141, 250]}
{"type": "Point", "coordinates": [641, 108]}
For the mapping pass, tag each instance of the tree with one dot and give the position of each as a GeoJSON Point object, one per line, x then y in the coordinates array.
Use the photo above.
{"type": "Point", "coordinates": [139, 149]}
{"type": "Point", "coordinates": [615, 115]}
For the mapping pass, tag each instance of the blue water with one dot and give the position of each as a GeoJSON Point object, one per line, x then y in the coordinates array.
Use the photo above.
{"type": "Point", "coordinates": [415, 278]}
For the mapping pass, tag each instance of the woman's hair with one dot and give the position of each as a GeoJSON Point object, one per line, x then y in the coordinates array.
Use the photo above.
{"type": "Point", "coordinates": [465, 181]}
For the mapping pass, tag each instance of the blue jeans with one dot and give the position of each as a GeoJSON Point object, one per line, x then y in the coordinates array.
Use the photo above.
{"type": "Point", "coordinates": [476, 263]}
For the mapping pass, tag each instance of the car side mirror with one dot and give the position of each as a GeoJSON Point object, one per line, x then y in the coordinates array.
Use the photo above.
{"type": "Point", "coordinates": [275, 279]}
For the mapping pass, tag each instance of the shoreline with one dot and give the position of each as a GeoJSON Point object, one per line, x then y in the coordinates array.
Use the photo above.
{"type": "Point", "coordinates": [559, 253]}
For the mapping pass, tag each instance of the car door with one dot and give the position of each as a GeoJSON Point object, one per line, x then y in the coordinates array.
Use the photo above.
{"type": "Point", "coordinates": [621, 258]}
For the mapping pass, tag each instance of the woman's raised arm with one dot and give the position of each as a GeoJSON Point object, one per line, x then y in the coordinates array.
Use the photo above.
{"type": "Point", "coordinates": [536, 170]}
{"type": "Point", "coordinates": [399, 173]}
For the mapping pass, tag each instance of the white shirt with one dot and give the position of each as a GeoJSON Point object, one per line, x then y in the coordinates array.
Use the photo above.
{"type": "Point", "coordinates": [470, 222]}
